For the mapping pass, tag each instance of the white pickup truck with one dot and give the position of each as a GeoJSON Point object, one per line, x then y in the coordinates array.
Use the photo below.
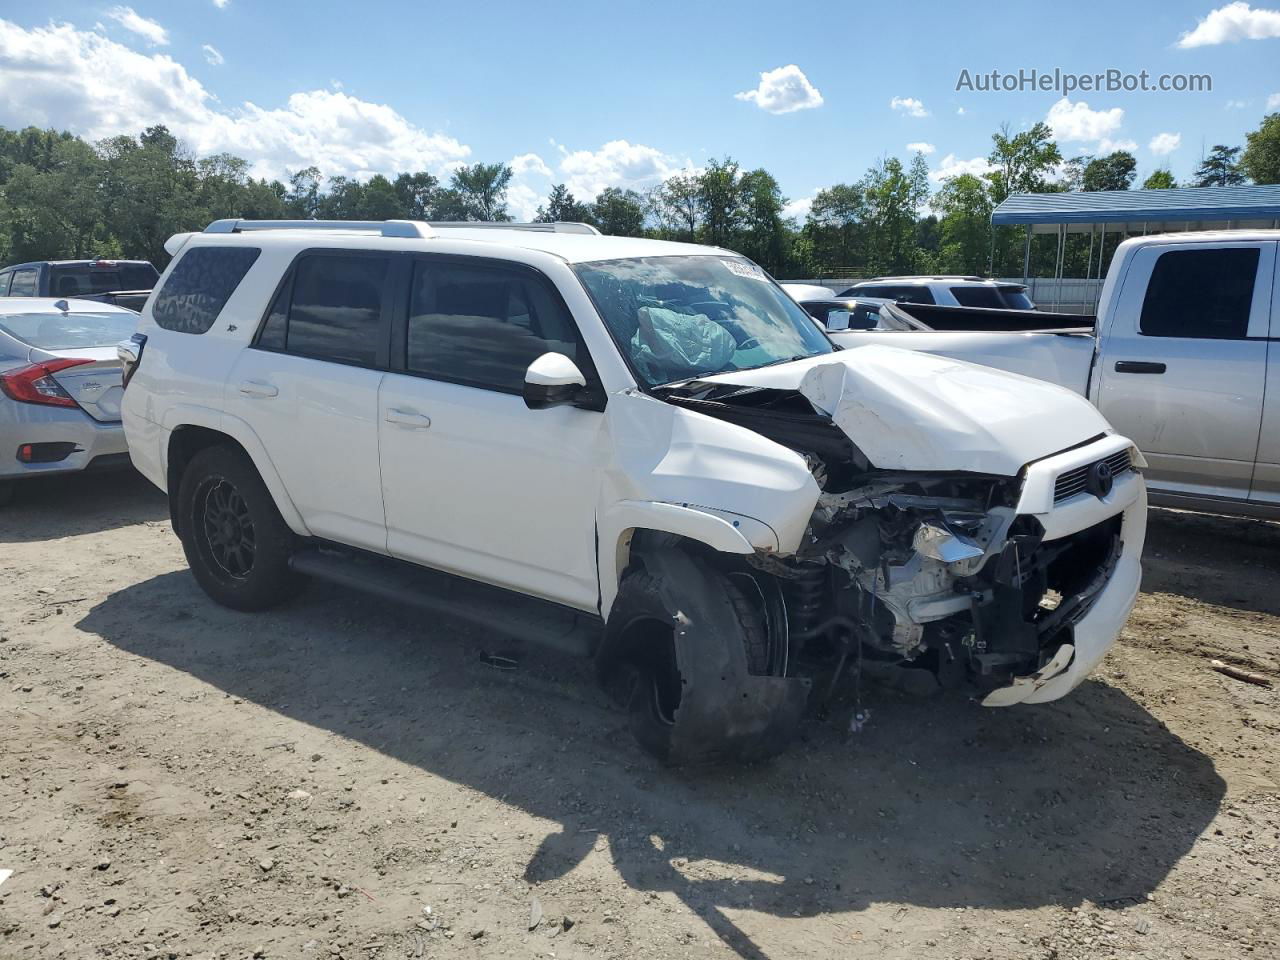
{"type": "Point", "coordinates": [1184, 359]}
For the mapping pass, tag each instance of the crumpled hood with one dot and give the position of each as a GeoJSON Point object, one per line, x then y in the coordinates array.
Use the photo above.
{"type": "Point", "coordinates": [914, 411]}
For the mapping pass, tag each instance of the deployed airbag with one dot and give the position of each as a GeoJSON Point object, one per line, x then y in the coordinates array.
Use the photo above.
{"type": "Point", "coordinates": [667, 341]}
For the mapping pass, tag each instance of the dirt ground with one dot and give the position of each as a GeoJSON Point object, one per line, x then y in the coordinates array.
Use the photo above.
{"type": "Point", "coordinates": [346, 778]}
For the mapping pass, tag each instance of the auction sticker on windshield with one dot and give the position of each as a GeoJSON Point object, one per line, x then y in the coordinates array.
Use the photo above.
{"type": "Point", "coordinates": [743, 269]}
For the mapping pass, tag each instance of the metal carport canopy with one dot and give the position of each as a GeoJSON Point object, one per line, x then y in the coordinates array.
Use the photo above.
{"type": "Point", "coordinates": [1179, 207]}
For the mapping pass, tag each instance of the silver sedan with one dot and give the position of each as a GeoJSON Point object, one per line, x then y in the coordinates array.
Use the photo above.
{"type": "Point", "coordinates": [60, 387]}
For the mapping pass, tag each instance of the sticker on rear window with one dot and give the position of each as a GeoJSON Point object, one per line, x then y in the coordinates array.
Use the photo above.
{"type": "Point", "coordinates": [740, 268]}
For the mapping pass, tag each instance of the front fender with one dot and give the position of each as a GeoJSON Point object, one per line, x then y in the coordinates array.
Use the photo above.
{"type": "Point", "coordinates": [724, 532]}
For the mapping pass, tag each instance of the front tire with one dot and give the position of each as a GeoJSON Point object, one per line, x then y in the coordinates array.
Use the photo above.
{"type": "Point", "coordinates": [237, 544]}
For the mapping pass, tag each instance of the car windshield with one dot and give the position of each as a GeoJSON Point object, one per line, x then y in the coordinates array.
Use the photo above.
{"type": "Point", "coordinates": [67, 331]}
{"type": "Point", "coordinates": [677, 318]}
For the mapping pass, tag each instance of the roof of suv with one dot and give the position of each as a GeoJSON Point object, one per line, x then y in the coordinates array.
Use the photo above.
{"type": "Point", "coordinates": [570, 247]}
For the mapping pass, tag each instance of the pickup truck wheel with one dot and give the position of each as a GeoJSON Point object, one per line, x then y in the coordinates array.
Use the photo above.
{"type": "Point", "coordinates": [236, 542]}
{"type": "Point", "coordinates": [655, 612]}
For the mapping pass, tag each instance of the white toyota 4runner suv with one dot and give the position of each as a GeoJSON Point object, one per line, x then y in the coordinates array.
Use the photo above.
{"type": "Point", "coordinates": [638, 451]}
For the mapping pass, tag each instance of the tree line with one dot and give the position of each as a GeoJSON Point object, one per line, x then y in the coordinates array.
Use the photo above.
{"type": "Point", "coordinates": [62, 197]}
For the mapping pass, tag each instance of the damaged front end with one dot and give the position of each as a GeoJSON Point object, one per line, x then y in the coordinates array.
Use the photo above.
{"type": "Point", "coordinates": [934, 571]}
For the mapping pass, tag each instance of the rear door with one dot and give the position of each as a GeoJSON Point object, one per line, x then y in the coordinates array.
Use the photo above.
{"type": "Point", "coordinates": [1183, 364]}
{"type": "Point", "coordinates": [308, 386]}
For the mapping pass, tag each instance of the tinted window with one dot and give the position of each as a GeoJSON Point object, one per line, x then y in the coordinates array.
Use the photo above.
{"type": "Point", "coordinates": [4, 284]}
{"type": "Point", "coordinates": [331, 310]}
{"type": "Point", "coordinates": [66, 331]}
{"type": "Point", "coordinates": [1204, 294]}
{"type": "Point", "coordinates": [199, 286]}
{"type": "Point", "coordinates": [903, 294]}
{"type": "Point", "coordinates": [986, 297]}
{"type": "Point", "coordinates": [24, 284]}
{"type": "Point", "coordinates": [89, 278]}
{"type": "Point", "coordinates": [483, 325]}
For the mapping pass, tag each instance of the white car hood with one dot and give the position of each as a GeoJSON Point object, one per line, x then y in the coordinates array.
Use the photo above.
{"type": "Point", "coordinates": [914, 411]}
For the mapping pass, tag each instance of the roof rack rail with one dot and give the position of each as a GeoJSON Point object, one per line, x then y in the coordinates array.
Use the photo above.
{"type": "Point", "coordinates": [930, 276]}
{"type": "Point", "coordinates": [387, 228]}
{"type": "Point", "coordinates": [559, 226]}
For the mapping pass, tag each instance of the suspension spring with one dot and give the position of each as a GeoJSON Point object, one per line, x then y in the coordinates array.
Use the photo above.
{"type": "Point", "coordinates": [805, 596]}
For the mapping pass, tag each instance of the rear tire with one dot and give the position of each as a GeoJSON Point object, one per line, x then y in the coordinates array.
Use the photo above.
{"type": "Point", "coordinates": [237, 544]}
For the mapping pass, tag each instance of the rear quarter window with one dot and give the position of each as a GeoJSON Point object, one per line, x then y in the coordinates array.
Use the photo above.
{"type": "Point", "coordinates": [199, 286]}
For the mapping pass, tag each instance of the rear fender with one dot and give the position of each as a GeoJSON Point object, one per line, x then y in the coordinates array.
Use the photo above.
{"type": "Point", "coordinates": [238, 430]}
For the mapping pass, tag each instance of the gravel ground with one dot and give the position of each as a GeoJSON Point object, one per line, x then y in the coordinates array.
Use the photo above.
{"type": "Point", "coordinates": [346, 778]}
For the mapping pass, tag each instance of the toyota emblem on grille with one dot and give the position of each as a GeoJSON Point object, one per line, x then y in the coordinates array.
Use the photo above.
{"type": "Point", "coordinates": [1101, 479]}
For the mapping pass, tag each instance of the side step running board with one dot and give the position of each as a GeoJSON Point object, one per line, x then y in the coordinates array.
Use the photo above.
{"type": "Point", "coordinates": [512, 614]}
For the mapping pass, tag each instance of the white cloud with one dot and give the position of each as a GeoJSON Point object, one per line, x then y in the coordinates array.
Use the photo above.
{"type": "Point", "coordinates": [1230, 24]}
{"type": "Point", "coordinates": [953, 166]}
{"type": "Point", "coordinates": [908, 105]}
{"type": "Point", "coordinates": [221, 4]}
{"type": "Point", "coordinates": [529, 163]}
{"type": "Point", "coordinates": [1273, 102]}
{"type": "Point", "coordinates": [1164, 143]}
{"type": "Point", "coordinates": [1237, 104]}
{"type": "Point", "coordinates": [959, 111]}
{"type": "Point", "coordinates": [1107, 145]}
{"type": "Point", "coordinates": [1075, 121]}
{"type": "Point", "coordinates": [784, 90]}
{"type": "Point", "coordinates": [919, 146]}
{"type": "Point", "coordinates": [134, 22]}
{"type": "Point", "coordinates": [618, 163]}
{"type": "Point", "coordinates": [798, 208]}
{"type": "Point", "coordinates": [213, 54]}
{"type": "Point", "coordinates": [52, 77]}
{"type": "Point", "coordinates": [523, 201]}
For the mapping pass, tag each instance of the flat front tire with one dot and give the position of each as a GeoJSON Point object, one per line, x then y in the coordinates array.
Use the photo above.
{"type": "Point", "coordinates": [237, 544]}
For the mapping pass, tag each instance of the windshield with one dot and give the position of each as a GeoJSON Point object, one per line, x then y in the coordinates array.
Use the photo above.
{"type": "Point", "coordinates": [677, 318]}
{"type": "Point", "coordinates": [67, 331]}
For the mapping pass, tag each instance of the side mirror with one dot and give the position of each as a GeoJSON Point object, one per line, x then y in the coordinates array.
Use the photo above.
{"type": "Point", "coordinates": [551, 380]}
{"type": "Point", "coordinates": [838, 319]}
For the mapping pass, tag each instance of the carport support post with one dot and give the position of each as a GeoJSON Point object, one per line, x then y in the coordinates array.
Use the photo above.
{"type": "Point", "coordinates": [1026, 257]}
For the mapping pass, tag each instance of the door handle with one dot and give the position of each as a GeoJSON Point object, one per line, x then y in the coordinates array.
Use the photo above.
{"type": "Point", "coordinates": [256, 388]}
{"type": "Point", "coordinates": [1139, 366]}
{"type": "Point", "coordinates": [407, 418]}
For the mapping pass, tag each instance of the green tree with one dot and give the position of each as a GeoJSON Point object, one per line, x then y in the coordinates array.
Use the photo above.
{"type": "Point", "coordinates": [1022, 162]}
{"type": "Point", "coordinates": [1219, 169]}
{"type": "Point", "coordinates": [964, 206]}
{"type": "Point", "coordinates": [1159, 180]}
{"type": "Point", "coordinates": [720, 202]}
{"type": "Point", "coordinates": [563, 207]}
{"type": "Point", "coordinates": [762, 234]}
{"type": "Point", "coordinates": [675, 204]}
{"type": "Point", "coordinates": [1115, 171]}
{"type": "Point", "coordinates": [893, 198]}
{"type": "Point", "coordinates": [302, 197]}
{"type": "Point", "coordinates": [1261, 159]}
{"type": "Point", "coordinates": [418, 194]}
{"type": "Point", "coordinates": [477, 192]}
{"type": "Point", "coordinates": [835, 235]}
{"type": "Point", "coordinates": [619, 213]}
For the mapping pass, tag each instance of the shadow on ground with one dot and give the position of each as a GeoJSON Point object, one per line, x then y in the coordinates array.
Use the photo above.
{"type": "Point", "coordinates": [938, 803]}
{"type": "Point", "coordinates": [66, 506]}
{"type": "Point", "coordinates": [1225, 561]}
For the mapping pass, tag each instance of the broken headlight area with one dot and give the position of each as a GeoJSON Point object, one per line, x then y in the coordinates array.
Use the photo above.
{"type": "Point", "coordinates": [940, 572]}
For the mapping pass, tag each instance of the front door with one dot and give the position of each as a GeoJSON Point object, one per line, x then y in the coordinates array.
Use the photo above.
{"type": "Point", "coordinates": [473, 481]}
{"type": "Point", "coordinates": [1184, 363]}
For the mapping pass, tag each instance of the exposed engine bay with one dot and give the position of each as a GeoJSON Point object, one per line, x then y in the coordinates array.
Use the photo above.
{"type": "Point", "coordinates": [918, 569]}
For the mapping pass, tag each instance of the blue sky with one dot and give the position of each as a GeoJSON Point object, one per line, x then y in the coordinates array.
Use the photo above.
{"type": "Point", "coordinates": [600, 94]}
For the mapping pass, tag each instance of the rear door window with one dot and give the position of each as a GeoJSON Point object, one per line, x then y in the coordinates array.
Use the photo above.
{"type": "Point", "coordinates": [987, 298]}
{"type": "Point", "coordinates": [330, 308]}
{"type": "Point", "coordinates": [24, 283]}
{"type": "Point", "coordinates": [199, 286]}
{"type": "Point", "coordinates": [88, 279]}
{"type": "Point", "coordinates": [482, 324]}
{"type": "Point", "coordinates": [1201, 294]}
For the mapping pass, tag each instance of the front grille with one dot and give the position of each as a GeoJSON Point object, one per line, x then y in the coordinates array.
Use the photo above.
{"type": "Point", "coordinates": [1076, 481]}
